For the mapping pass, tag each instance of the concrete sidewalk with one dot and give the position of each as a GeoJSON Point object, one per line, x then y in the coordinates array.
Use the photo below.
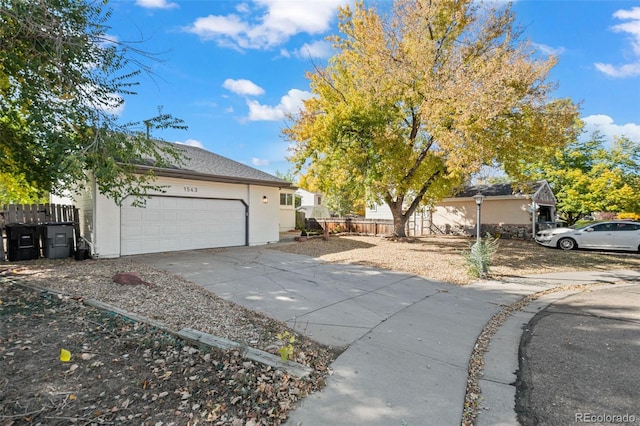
{"type": "Point", "coordinates": [409, 339]}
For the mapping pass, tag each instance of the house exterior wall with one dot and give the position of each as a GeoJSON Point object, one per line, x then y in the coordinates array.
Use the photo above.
{"type": "Point", "coordinates": [378, 211]}
{"type": "Point", "coordinates": [287, 213]}
{"type": "Point", "coordinates": [505, 215]}
{"type": "Point", "coordinates": [84, 201]}
{"type": "Point", "coordinates": [104, 232]}
{"type": "Point", "coordinates": [496, 211]}
{"type": "Point", "coordinates": [263, 218]}
{"type": "Point", "coordinates": [309, 198]}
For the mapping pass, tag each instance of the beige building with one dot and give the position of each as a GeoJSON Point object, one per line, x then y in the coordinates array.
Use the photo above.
{"type": "Point", "coordinates": [505, 211]}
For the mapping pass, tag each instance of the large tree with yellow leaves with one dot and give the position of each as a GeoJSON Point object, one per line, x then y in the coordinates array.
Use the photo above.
{"type": "Point", "coordinates": [414, 102]}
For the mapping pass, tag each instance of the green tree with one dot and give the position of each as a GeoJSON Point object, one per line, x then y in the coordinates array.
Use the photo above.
{"type": "Point", "coordinates": [15, 189]}
{"type": "Point", "coordinates": [412, 104]}
{"type": "Point", "coordinates": [61, 80]}
{"type": "Point", "coordinates": [588, 177]}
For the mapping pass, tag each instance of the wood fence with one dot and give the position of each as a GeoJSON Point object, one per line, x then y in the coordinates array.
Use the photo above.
{"type": "Point", "coordinates": [38, 214]}
{"type": "Point", "coordinates": [351, 225]}
{"type": "Point", "coordinates": [413, 227]}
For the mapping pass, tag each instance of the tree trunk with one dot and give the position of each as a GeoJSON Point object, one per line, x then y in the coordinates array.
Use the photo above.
{"type": "Point", "coordinates": [399, 222]}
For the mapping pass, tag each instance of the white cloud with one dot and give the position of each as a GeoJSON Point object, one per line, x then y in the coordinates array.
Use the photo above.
{"type": "Point", "coordinates": [114, 104]}
{"type": "Point", "coordinates": [218, 27]}
{"type": "Point", "coordinates": [109, 39]}
{"type": "Point", "coordinates": [110, 103]}
{"type": "Point", "coordinates": [290, 103]}
{"type": "Point", "coordinates": [156, 4]}
{"type": "Point", "coordinates": [259, 161]}
{"type": "Point", "coordinates": [243, 87]}
{"type": "Point", "coordinates": [631, 27]}
{"type": "Point", "coordinates": [273, 24]}
{"type": "Point", "coordinates": [243, 8]}
{"type": "Point", "coordinates": [621, 71]}
{"type": "Point", "coordinates": [285, 53]}
{"type": "Point", "coordinates": [191, 142]}
{"type": "Point", "coordinates": [318, 49]}
{"type": "Point", "coordinates": [606, 125]}
{"type": "Point", "coordinates": [549, 50]}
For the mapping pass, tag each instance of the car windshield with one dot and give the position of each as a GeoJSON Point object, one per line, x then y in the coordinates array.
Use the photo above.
{"type": "Point", "coordinates": [581, 226]}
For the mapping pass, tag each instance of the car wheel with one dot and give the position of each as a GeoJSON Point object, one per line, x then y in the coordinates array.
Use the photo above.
{"type": "Point", "coordinates": [567, 244]}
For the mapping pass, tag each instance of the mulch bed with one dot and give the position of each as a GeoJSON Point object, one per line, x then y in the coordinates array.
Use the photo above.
{"type": "Point", "coordinates": [125, 372]}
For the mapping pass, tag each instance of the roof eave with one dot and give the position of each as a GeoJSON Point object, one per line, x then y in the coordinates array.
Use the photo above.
{"type": "Point", "coordinates": [188, 174]}
{"type": "Point", "coordinates": [517, 196]}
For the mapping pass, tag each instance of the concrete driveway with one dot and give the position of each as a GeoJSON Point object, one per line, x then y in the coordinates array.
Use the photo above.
{"type": "Point", "coordinates": [409, 339]}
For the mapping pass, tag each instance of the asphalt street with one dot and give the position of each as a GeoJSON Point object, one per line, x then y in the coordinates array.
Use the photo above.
{"type": "Point", "coordinates": [579, 360]}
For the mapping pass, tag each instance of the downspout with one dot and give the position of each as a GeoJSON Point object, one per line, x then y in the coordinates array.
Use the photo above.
{"type": "Point", "coordinates": [246, 216]}
{"type": "Point", "coordinates": [246, 223]}
{"type": "Point", "coordinates": [533, 218]}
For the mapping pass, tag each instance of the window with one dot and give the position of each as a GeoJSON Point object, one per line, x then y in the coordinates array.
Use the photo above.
{"type": "Point", "coordinates": [286, 199]}
{"type": "Point", "coordinates": [603, 227]}
{"type": "Point", "coordinates": [628, 227]}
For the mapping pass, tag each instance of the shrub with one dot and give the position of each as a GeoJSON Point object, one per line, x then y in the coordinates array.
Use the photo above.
{"type": "Point", "coordinates": [478, 257]}
{"type": "Point", "coordinates": [629, 216]}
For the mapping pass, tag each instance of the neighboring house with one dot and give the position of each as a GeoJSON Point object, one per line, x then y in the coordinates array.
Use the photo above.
{"type": "Point", "coordinates": [308, 198]}
{"type": "Point", "coordinates": [209, 201]}
{"type": "Point", "coordinates": [311, 204]}
{"type": "Point", "coordinates": [287, 209]}
{"type": "Point", "coordinates": [504, 211]}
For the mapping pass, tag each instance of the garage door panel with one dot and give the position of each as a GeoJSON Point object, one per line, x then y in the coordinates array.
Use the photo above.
{"type": "Point", "coordinates": [173, 223]}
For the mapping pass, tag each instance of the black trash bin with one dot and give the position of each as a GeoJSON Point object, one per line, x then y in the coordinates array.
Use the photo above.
{"type": "Point", "coordinates": [58, 240]}
{"type": "Point", "coordinates": [23, 242]}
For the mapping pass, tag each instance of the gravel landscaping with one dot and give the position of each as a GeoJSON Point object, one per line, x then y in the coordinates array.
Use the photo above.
{"type": "Point", "coordinates": [440, 258]}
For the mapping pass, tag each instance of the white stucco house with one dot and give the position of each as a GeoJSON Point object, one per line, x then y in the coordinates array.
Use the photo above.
{"type": "Point", "coordinates": [311, 204]}
{"type": "Point", "coordinates": [505, 210]}
{"type": "Point", "coordinates": [209, 201]}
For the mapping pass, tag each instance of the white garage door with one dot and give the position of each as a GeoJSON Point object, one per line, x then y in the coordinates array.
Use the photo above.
{"type": "Point", "coordinates": [172, 223]}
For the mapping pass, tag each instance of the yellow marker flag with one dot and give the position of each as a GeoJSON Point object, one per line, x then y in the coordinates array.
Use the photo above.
{"type": "Point", "coordinates": [65, 355]}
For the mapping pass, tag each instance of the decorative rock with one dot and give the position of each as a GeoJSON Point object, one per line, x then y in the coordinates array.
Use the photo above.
{"type": "Point", "coordinates": [130, 278]}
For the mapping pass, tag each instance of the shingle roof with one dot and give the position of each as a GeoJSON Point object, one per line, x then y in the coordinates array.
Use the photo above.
{"type": "Point", "coordinates": [498, 189]}
{"type": "Point", "coordinates": [199, 163]}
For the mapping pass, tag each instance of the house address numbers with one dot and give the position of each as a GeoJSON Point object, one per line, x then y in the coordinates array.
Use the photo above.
{"type": "Point", "coordinates": [190, 189]}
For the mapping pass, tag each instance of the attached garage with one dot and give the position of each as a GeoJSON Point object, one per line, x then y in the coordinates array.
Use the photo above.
{"type": "Point", "coordinates": [178, 223]}
{"type": "Point", "coordinates": [209, 201]}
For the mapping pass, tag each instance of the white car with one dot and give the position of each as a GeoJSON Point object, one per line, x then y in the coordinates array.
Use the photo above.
{"type": "Point", "coordinates": [617, 235]}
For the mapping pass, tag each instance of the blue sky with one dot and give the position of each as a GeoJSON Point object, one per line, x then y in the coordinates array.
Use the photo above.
{"type": "Point", "coordinates": [233, 69]}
